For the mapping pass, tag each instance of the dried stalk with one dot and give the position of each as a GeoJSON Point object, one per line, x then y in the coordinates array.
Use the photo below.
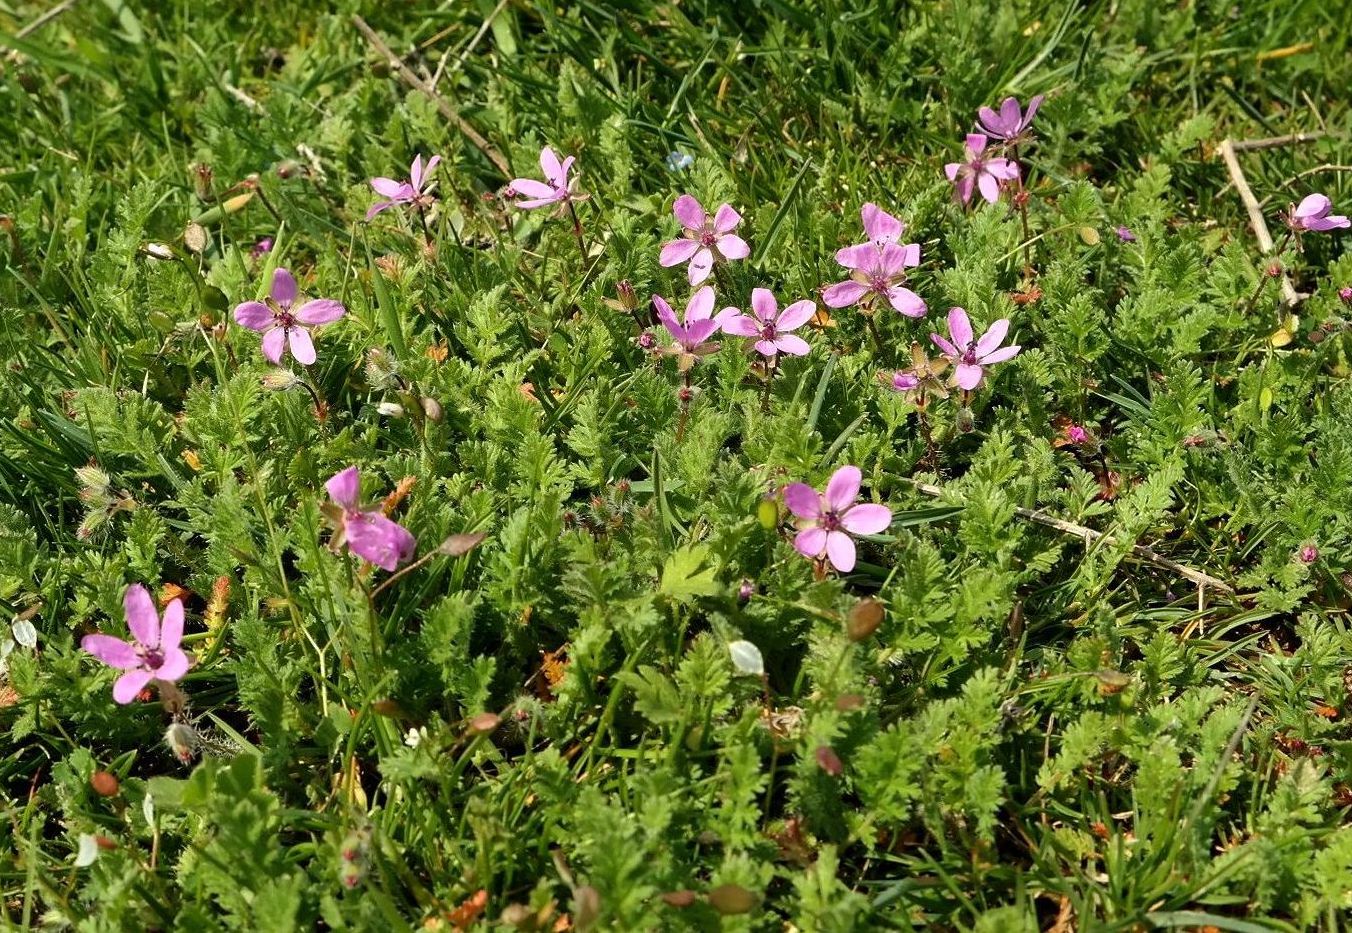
{"type": "Point", "coordinates": [1227, 150]}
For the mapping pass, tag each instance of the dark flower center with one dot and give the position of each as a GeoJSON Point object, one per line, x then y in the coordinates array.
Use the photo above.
{"type": "Point", "coordinates": [830, 521]}
{"type": "Point", "coordinates": [285, 318]}
{"type": "Point", "coordinates": [708, 238]}
{"type": "Point", "coordinates": [768, 332]}
{"type": "Point", "coordinates": [879, 283]}
{"type": "Point", "coordinates": [153, 658]}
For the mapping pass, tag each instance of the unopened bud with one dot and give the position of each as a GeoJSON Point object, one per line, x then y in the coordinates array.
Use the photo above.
{"type": "Point", "coordinates": [391, 409]}
{"type": "Point", "coordinates": [201, 181]}
{"type": "Point", "coordinates": [182, 741]}
{"type": "Point", "coordinates": [432, 409]}
{"type": "Point", "coordinates": [195, 238]}
{"type": "Point", "coordinates": [1345, 293]}
{"type": "Point", "coordinates": [685, 394]}
{"type": "Point", "coordinates": [864, 619]}
{"type": "Point", "coordinates": [646, 340]}
{"type": "Point", "coordinates": [829, 761]}
{"type": "Point", "coordinates": [279, 379]}
{"type": "Point", "coordinates": [159, 251]}
{"type": "Point", "coordinates": [966, 421]}
{"type": "Point", "coordinates": [628, 297]}
{"type": "Point", "coordinates": [104, 783]}
{"type": "Point", "coordinates": [745, 591]}
{"type": "Point", "coordinates": [1273, 270]}
{"type": "Point", "coordinates": [1308, 554]}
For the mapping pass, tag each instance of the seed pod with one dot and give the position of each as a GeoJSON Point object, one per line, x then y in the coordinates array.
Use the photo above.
{"type": "Point", "coordinates": [104, 783]}
{"type": "Point", "coordinates": [484, 723]}
{"type": "Point", "coordinates": [730, 899]}
{"type": "Point", "coordinates": [767, 513]}
{"type": "Point", "coordinates": [182, 741]}
{"type": "Point", "coordinates": [864, 619]}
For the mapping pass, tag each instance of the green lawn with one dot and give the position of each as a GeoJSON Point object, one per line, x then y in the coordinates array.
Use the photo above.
{"type": "Point", "coordinates": [1092, 671]}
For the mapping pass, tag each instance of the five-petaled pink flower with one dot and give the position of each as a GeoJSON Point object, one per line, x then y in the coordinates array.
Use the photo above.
{"type": "Point", "coordinates": [1010, 124]}
{"type": "Point", "coordinates": [365, 530]}
{"type": "Point", "coordinates": [970, 356]}
{"type": "Point", "coordinates": [404, 192]}
{"type": "Point", "coordinates": [827, 520]}
{"type": "Point", "coordinates": [557, 188]}
{"type": "Point", "coordinates": [876, 271]}
{"type": "Point", "coordinates": [692, 334]}
{"type": "Point", "coordinates": [880, 227]}
{"type": "Point", "coordinates": [154, 655]}
{"type": "Point", "coordinates": [770, 325]}
{"type": "Point", "coordinates": [282, 325]}
{"type": "Point", "coordinates": [704, 239]}
{"type": "Point", "coordinates": [980, 171]}
{"type": "Point", "coordinates": [1312, 215]}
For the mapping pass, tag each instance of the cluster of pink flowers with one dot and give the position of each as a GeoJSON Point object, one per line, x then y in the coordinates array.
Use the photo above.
{"type": "Point", "coordinates": [985, 170]}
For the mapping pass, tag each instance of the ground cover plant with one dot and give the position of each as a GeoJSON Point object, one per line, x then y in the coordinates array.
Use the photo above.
{"type": "Point", "coordinates": [777, 465]}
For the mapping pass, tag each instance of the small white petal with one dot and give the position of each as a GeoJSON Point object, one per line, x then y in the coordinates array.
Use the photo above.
{"type": "Point", "coordinates": [25, 633]}
{"type": "Point", "coordinates": [746, 657]}
{"type": "Point", "coordinates": [89, 850]}
{"type": "Point", "coordinates": [148, 809]}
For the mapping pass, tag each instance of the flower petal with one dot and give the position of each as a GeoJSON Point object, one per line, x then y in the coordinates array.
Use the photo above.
{"type": "Point", "coordinates": [377, 539]}
{"type": "Point", "coordinates": [677, 252]}
{"type": "Point", "coordinates": [867, 519]}
{"type": "Point", "coordinates": [696, 332]}
{"type": "Point", "coordinates": [763, 304]}
{"type": "Point", "coordinates": [689, 212]}
{"type": "Point", "coordinates": [989, 186]}
{"type": "Point", "coordinates": [273, 343]}
{"type": "Point", "coordinates": [795, 315]}
{"type": "Point", "coordinates": [1033, 104]}
{"type": "Point", "coordinates": [959, 328]}
{"type": "Point", "coordinates": [864, 256]}
{"type": "Point", "coordinates": [963, 188]}
{"type": "Point", "coordinates": [976, 143]}
{"type": "Point", "coordinates": [415, 172]}
{"type": "Point", "coordinates": [967, 375]}
{"type": "Point", "coordinates": [992, 338]}
{"type": "Point", "coordinates": [844, 294]}
{"type": "Point", "coordinates": [891, 260]}
{"type": "Point", "coordinates": [667, 317]}
{"type": "Point", "coordinates": [377, 207]}
{"type": "Point", "coordinates": [802, 500]}
{"type": "Point", "coordinates": [880, 226]}
{"type": "Point", "coordinates": [1001, 355]}
{"type": "Point", "coordinates": [320, 311]}
{"type": "Point", "coordinates": [740, 325]}
{"type": "Point", "coordinates": [111, 651]}
{"type": "Point", "coordinates": [843, 488]}
{"type": "Point", "coordinates": [701, 306]}
{"type": "Point", "coordinates": [126, 687]}
{"type": "Point", "coordinates": [840, 551]}
{"type": "Point", "coordinates": [766, 347]}
{"type": "Point", "coordinates": [810, 542]}
{"type": "Point", "coordinates": [942, 343]}
{"type": "Point", "coordinates": [951, 169]}
{"type": "Point", "coordinates": [701, 264]}
{"type": "Point", "coordinates": [142, 618]}
{"type": "Point", "coordinates": [533, 203]}
{"type": "Point", "coordinates": [344, 487]}
{"type": "Point", "coordinates": [726, 220]}
{"type": "Point", "coordinates": [390, 188]}
{"type": "Point", "coordinates": [731, 246]}
{"type": "Point", "coordinates": [532, 188]}
{"type": "Point", "coordinates": [175, 665]}
{"type": "Point", "coordinates": [1314, 205]}
{"type": "Point", "coordinates": [906, 301]}
{"type": "Point", "coordinates": [302, 347]}
{"type": "Point", "coordinates": [171, 629]}
{"type": "Point", "coordinates": [254, 315]}
{"type": "Point", "coordinates": [792, 344]}
{"type": "Point", "coordinates": [549, 165]}
{"type": "Point", "coordinates": [283, 287]}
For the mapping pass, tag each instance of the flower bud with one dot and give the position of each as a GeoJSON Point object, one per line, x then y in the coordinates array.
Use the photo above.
{"type": "Point", "coordinates": [767, 513]}
{"type": "Point", "coordinates": [201, 181]}
{"type": "Point", "coordinates": [1273, 270]}
{"type": "Point", "coordinates": [627, 296]}
{"type": "Point", "coordinates": [864, 619]}
{"type": "Point", "coordinates": [182, 741]}
{"type": "Point", "coordinates": [391, 409]}
{"type": "Point", "coordinates": [1308, 554]}
{"type": "Point", "coordinates": [104, 783]}
{"type": "Point", "coordinates": [432, 409]}
{"type": "Point", "coordinates": [829, 761]}
{"type": "Point", "coordinates": [745, 591]}
{"type": "Point", "coordinates": [1345, 293]}
{"type": "Point", "coordinates": [261, 247]}
{"type": "Point", "coordinates": [966, 421]}
{"type": "Point", "coordinates": [279, 379]}
{"type": "Point", "coordinates": [646, 340]}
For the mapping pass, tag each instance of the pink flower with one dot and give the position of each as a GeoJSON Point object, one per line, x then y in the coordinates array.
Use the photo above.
{"type": "Point", "coordinates": [881, 227]}
{"type": "Point", "coordinates": [1308, 554]}
{"type": "Point", "coordinates": [1312, 215]}
{"type": "Point", "coordinates": [971, 356]}
{"type": "Point", "coordinates": [365, 530]}
{"type": "Point", "coordinates": [260, 248]}
{"type": "Point", "coordinates": [980, 171]}
{"type": "Point", "coordinates": [282, 326]}
{"type": "Point", "coordinates": [1345, 294]}
{"type": "Point", "coordinates": [875, 271]}
{"type": "Point", "coordinates": [827, 520]}
{"type": "Point", "coordinates": [1076, 434]}
{"type": "Point", "coordinates": [404, 192]}
{"type": "Point", "coordinates": [704, 240]}
{"type": "Point", "coordinates": [1010, 125]}
{"type": "Point", "coordinates": [691, 334]}
{"type": "Point", "coordinates": [770, 325]}
{"type": "Point", "coordinates": [154, 655]}
{"type": "Point", "coordinates": [1125, 235]}
{"type": "Point", "coordinates": [555, 189]}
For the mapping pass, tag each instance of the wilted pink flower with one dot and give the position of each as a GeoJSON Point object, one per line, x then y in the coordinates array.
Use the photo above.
{"type": "Point", "coordinates": [1308, 554]}
{"type": "Point", "coordinates": [282, 326]}
{"type": "Point", "coordinates": [1076, 434]}
{"type": "Point", "coordinates": [154, 655]}
{"type": "Point", "coordinates": [261, 248]}
{"type": "Point", "coordinates": [1345, 293]}
{"type": "Point", "coordinates": [970, 356]}
{"type": "Point", "coordinates": [557, 188]}
{"type": "Point", "coordinates": [704, 240]}
{"type": "Point", "coordinates": [980, 171]}
{"type": "Point", "coordinates": [923, 379]}
{"type": "Point", "coordinates": [1011, 124]}
{"type": "Point", "coordinates": [1125, 235]}
{"type": "Point", "coordinates": [1312, 215]}
{"type": "Point", "coordinates": [827, 520]}
{"type": "Point", "coordinates": [770, 325]}
{"type": "Point", "coordinates": [365, 530]}
{"type": "Point", "coordinates": [404, 192]}
{"type": "Point", "coordinates": [691, 334]}
{"type": "Point", "coordinates": [876, 271]}
{"type": "Point", "coordinates": [881, 227]}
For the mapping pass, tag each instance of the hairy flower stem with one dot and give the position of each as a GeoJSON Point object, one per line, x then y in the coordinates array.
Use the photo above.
{"type": "Point", "coordinates": [771, 369]}
{"type": "Point", "coordinates": [577, 233]}
{"type": "Point", "coordinates": [427, 233]}
{"type": "Point", "coordinates": [687, 392]}
{"type": "Point", "coordinates": [931, 460]}
{"type": "Point", "coordinates": [872, 325]}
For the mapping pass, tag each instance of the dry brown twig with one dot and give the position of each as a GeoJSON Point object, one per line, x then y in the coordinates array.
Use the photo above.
{"type": "Point", "coordinates": [412, 80]}
{"type": "Point", "coordinates": [1227, 150]}
{"type": "Point", "coordinates": [1089, 536]}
